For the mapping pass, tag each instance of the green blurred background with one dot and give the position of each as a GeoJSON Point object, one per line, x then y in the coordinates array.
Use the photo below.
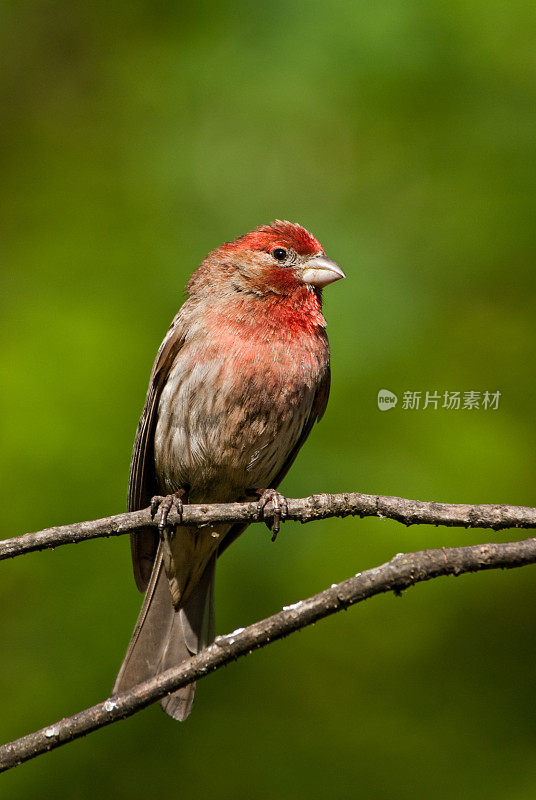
{"type": "Point", "coordinates": [137, 136]}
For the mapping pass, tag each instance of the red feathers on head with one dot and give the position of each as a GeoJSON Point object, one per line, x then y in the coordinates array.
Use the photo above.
{"type": "Point", "coordinates": [283, 233]}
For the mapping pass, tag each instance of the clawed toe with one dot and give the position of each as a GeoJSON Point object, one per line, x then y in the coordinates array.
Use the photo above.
{"type": "Point", "coordinates": [163, 506]}
{"type": "Point", "coordinates": [280, 506]}
{"type": "Point", "coordinates": [155, 502]}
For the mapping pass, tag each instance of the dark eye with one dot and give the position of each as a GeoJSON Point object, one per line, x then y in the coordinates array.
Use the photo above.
{"type": "Point", "coordinates": [279, 253]}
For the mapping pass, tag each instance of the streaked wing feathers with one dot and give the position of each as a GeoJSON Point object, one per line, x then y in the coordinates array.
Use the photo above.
{"type": "Point", "coordinates": [142, 484]}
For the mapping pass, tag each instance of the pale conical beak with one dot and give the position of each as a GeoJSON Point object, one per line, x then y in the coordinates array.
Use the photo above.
{"type": "Point", "coordinates": [321, 270]}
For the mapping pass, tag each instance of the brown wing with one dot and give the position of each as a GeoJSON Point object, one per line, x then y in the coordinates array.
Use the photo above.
{"type": "Point", "coordinates": [317, 410]}
{"type": "Point", "coordinates": [142, 484]}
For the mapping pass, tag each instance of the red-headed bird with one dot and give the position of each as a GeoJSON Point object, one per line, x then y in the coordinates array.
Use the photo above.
{"type": "Point", "coordinates": [238, 382]}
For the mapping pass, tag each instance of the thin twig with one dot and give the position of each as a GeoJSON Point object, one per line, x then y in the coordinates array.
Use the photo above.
{"type": "Point", "coordinates": [401, 572]}
{"type": "Point", "coordinates": [307, 509]}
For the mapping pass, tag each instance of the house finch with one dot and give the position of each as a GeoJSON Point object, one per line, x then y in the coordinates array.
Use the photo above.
{"type": "Point", "coordinates": [238, 382]}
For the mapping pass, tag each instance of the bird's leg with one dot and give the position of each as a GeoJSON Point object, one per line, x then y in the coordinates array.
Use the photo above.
{"type": "Point", "coordinates": [163, 506]}
{"type": "Point", "coordinates": [280, 506]}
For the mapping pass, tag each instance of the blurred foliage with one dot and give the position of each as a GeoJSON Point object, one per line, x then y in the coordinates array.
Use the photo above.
{"type": "Point", "coordinates": [136, 136]}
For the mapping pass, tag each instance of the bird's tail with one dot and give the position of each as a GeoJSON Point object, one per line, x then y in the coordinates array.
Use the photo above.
{"type": "Point", "coordinates": [165, 636]}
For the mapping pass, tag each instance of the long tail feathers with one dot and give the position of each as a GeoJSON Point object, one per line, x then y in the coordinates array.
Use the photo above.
{"type": "Point", "coordinates": [164, 636]}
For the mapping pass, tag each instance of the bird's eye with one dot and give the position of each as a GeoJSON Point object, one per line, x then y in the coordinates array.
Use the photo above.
{"type": "Point", "coordinates": [279, 253]}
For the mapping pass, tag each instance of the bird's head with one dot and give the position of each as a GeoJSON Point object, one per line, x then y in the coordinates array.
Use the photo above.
{"type": "Point", "coordinates": [277, 259]}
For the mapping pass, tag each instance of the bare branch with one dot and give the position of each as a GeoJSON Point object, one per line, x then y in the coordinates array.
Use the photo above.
{"type": "Point", "coordinates": [307, 509]}
{"type": "Point", "coordinates": [401, 572]}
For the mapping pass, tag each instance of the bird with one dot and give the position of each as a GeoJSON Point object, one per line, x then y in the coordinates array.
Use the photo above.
{"type": "Point", "coordinates": [239, 380]}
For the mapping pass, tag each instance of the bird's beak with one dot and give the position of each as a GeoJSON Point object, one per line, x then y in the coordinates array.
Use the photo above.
{"type": "Point", "coordinates": [321, 270]}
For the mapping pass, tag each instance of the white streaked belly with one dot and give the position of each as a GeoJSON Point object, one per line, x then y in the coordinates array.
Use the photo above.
{"type": "Point", "coordinates": [223, 430]}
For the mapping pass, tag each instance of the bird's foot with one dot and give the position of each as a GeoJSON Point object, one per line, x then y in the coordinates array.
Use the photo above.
{"type": "Point", "coordinates": [280, 507]}
{"type": "Point", "coordinates": [163, 505]}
